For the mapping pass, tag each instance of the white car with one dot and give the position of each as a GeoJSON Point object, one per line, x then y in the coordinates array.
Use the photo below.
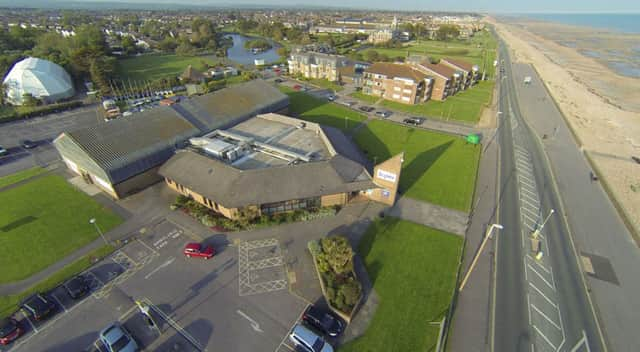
{"type": "Point", "coordinates": [308, 341]}
{"type": "Point", "coordinates": [331, 97]}
{"type": "Point", "coordinates": [3, 151]}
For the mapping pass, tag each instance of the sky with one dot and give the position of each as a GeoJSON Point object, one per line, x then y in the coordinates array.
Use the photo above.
{"type": "Point", "coordinates": [497, 6]}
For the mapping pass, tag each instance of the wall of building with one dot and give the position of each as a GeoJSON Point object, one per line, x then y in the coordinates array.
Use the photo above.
{"type": "Point", "coordinates": [137, 183]}
{"type": "Point", "coordinates": [231, 213]}
{"type": "Point", "coordinates": [400, 91]}
{"type": "Point", "coordinates": [387, 176]}
{"type": "Point", "coordinates": [333, 199]}
{"type": "Point", "coordinates": [440, 89]}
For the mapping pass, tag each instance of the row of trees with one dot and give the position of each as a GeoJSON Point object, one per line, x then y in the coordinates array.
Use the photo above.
{"type": "Point", "coordinates": [420, 31]}
{"type": "Point", "coordinates": [276, 31]}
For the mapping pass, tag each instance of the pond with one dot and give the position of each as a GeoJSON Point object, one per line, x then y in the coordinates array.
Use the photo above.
{"type": "Point", "coordinates": [239, 54]}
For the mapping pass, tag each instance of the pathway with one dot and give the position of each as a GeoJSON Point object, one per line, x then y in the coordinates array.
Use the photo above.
{"type": "Point", "coordinates": [431, 215]}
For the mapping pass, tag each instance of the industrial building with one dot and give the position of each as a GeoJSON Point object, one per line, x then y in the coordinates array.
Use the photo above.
{"type": "Point", "coordinates": [122, 156]}
{"type": "Point", "coordinates": [273, 163]}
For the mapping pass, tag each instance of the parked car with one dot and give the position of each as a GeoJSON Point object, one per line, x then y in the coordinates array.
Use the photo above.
{"type": "Point", "coordinates": [38, 306]}
{"type": "Point", "coordinates": [414, 121]}
{"type": "Point", "coordinates": [323, 321]}
{"type": "Point", "coordinates": [279, 80]}
{"type": "Point", "coordinates": [28, 144]}
{"type": "Point", "coordinates": [347, 103]}
{"type": "Point", "coordinates": [297, 87]}
{"type": "Point", "coordinates": [308, 340]}
{"type": "Point", "coordinates": [384, 114]}
{"type": "Point", "coordinates": [77, 287]}
{"type": "Point", "coordinates": [366, 108]}
{"type": "Point", "coordinates": [636, 159]}
{"type": "Point", "coordinates": [331, 97]}
{"type": "Point", "coordinates": [117, 339]}
{"type": "Point", "coordinates": [9, 330]}
{"type": "Point", "coordinates": [198, 250]}
{"type": "Point", "coordinates": [3, 151]}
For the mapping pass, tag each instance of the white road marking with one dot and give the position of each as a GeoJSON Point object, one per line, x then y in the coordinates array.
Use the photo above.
{"type": "Point", "coordinates": [524, 200]}
{"type": "Point", "coordinates": [545, 316]}
{"type": "Point", "coordinates": [254, 324]}
{"type": "Point", "coordinates": [543, 295]}
{"type": "Point", "coordinates": [146, 245]}
{"type": "Point", "coordinates": [59, 302]}
{"type": "Point", "coordinates": [538, 264]}
{"type": "Point", "coordinates": [33, 326]}
{"type": "Point", "coordinates": [535, 195]}
{"type": "Point", "coordinates": [540, 275]}
{"type": "Point", "coordinates": [175, 325]}
{"type": "Point", "coordinates": [544, 337]}
{"type": "Point", "coordinates": [159, 267]}
{"type": "Point", "coordinates": [529, 307]}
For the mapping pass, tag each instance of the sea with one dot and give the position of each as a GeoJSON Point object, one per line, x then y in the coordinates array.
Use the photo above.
{"type": "Point", "coordinates": [626, 23]}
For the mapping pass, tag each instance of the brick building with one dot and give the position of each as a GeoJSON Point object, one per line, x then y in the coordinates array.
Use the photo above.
{"type": "Point", "coordinates": [316, 65]}
{"type": "Point", "coordinates": [397, 82]}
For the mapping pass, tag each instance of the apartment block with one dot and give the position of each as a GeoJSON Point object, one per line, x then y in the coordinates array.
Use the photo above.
{"type": "Point", "coordinates": [470, 72]}
{"type": "Point", "coordinates": [397, 82]}
{"type": "Point", "coordinates": [316, 65]}
{"type": "Point", "coordinates": [446, 81]}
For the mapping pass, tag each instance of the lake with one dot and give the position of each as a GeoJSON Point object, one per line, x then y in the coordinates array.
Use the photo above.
{"type": "Point", "coordinates": [239, 54]}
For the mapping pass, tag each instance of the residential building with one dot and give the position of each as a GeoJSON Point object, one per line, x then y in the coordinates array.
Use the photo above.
{"type": "Point", "coordinates": [123, 156]}
{"type": "Point", "coordinates": [316, 65]}
{"type": "Point", "coordinates": [470, 72]}
{"type": "Point", "coordinates": [272, 164]}
{"type": "Point", "coordinates": [353, 73]}
{"type": "Point", "coordinates": [397, 82]}
{"type": "Point", "coordinates": [382, 36]}
{"type": "Point", "coordinates": [446, 81]}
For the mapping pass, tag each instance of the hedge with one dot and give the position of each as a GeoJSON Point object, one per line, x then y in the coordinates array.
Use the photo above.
{"type": "Point", "coordinates": [40, 110]}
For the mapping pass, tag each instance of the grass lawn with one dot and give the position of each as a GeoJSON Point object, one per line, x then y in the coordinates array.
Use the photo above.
{"type": "Point", "coordinates": [152, 67]}
{"type": "Point", "coordinates": [370, 99]}
{"type": "Point", "coordinates": [310, 108]}
{"type": "Point", "coordinates": [465, 106]}
{"type": "Point", "coordinates": [42, 222]}
{"type": "Point", "coordinates": [438, 168]}
{"type": "Point", "coordinates": [9, 304]}
{"type": "Point", "coordinates": [413, 270]}
{"type": "Point", "coordinates": [21, 175]}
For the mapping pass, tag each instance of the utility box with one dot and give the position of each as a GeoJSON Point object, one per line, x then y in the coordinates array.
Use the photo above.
{"type": "Point", "coordinates": [473, 139]}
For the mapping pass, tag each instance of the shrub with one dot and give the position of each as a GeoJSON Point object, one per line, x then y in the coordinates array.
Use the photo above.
{"type": "Point", "coordinates": [314, 248]}
{"type": "Point", "coordinates": [350, 292]}
{"type": "Point", "coordinates": [339, 253]}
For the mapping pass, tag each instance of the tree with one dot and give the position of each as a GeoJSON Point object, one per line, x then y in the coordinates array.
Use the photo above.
{"type": "Point", "coordinates": [185, 48]}
{"type": "Point", "coordinates": [447, 32]}
{"type": "Point", "coordinates": [372, 55]}
{"type": "Point", "coordinates": [338, 254]}
{"type": "Point", "coordinates": [29, 100]}
{"type": "Point", "coordinates": [283, 51]}
{"type": "Point", "coordinates": [128, 45]}
{"type": "Point", "coordinates": [168, 44]}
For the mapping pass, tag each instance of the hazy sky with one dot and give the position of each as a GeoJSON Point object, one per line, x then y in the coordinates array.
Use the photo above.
{"type": "Point", "coordinates": [623, 6]}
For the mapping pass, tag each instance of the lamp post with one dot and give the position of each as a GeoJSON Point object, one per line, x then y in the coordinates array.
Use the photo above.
{"type": "Point", "coordinates": [536, 233]}
{"type": "Point", "coordinates": [93, 222]}
{"type": "Point", "coordinates": [475, 259]}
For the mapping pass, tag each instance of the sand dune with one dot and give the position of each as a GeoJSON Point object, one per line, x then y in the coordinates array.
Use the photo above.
{"type": "Point", "coordinates": [602, 107]}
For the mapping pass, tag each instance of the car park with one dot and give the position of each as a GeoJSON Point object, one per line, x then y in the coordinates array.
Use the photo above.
{"type": "Point", "coordinates": [38, 306]}
{"type": "Point", "coordinates": [308, 340]}
{"type": "Point", "coordinates": [117, 339]}
{"type": "Point", "coordinates": [414, 121]}
{"type": "Point", "coordinates": [198, 250]}
{"type": "Point", "coordinates": [77, 287]}
{"type": "Point", "coordinates": [383, 113]}
{"type": "Point", "coordinates": [28, 144]}
{"type": "Point", "coordinates": [366, 108]}
{"type": "Point", "coordinates": [10, 330]}
{"type": "Point", "coordinates": [323, 321]}
{"type": "Point", "coordinates": [3, 151]}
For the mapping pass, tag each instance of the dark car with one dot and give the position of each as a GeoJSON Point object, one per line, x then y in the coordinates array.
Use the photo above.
{"type": "Point", "coordinates": [279, 80]}
{"type": "Point", "coordinates": [9, 331]}
{"type": "Point", "coordinates": [324, 321]}
{"type": "Point", "coordinates": [366, 108]}
{"type": "Point", "coordinates": [636, 159]}
{"type": "Point", "coordinates": [38, 306]}
{"type": "Point", "coordinates": [77, 287]}
{"type": "Point", "coordinates": [384, 114]}
{"type": "Point", "coordinates": [413, 121]}
{"type": "Point", "coordinates": [28, 144]}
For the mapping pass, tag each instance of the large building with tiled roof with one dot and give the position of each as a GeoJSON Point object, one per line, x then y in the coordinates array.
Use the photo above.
{"type": "Point", "coordinates": [396, 82]}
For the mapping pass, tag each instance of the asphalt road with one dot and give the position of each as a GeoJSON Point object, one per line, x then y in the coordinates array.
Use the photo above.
{"type": "Point", "coordinates": [539, 304]}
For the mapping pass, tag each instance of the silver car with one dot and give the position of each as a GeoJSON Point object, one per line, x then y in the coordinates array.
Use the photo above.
{"type": "Point", "coordinates": [308, 340]}
{"type": "Point", "coordinates": [117, 339]}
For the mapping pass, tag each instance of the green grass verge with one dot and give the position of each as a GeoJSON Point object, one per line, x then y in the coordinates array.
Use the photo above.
{"type": "Point", "coordinates": [21, 175]}
{"type": "Point", "coordinates": [438, 168]}
{"type": "Point", "coordinates": [465, 106]}
{"type": "Point", "coordinates": [413, 270]}
{"type": "Point", "coordinates": [152, 67]}
{"type": "Point", "coordinates": [370, 99]}
{"type": "Point", "coordinates": [307, 107]}
{"type": "Point", "coordinates": [44, 221]}
{"type": "Point", "coordinates": [9, 304]}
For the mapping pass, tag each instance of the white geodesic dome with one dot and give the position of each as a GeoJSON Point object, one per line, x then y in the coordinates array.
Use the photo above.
{"type": "Point", "coordinates": [41, 78]}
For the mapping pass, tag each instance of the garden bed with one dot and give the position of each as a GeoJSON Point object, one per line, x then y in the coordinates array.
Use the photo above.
{"type": "Point", "coordinates": [249, 221]}
{"type": "Point", "coordinates": [333, 260]}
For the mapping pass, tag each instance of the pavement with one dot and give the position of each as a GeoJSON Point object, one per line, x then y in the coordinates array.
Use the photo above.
{"type": "Point", "coordinates": [599, 234]}
{"type": "Point", "coordinates": [431, 215]}
{"type": "Point", "coordinates": [539, 302]}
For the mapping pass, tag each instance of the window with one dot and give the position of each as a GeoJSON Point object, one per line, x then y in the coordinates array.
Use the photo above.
{"type": "Point", "coordinates": [290, 205]}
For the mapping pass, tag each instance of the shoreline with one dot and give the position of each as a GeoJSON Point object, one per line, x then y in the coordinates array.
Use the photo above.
{"type": "Point", "coordinates": [601, 107]}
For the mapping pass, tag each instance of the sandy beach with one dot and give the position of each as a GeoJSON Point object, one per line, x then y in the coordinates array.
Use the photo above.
{"type": "Point", "coordinates": [601, 105]}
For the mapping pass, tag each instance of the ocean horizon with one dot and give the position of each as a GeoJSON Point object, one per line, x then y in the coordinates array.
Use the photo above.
{"type": "Point", "coordinates": [626, 23]}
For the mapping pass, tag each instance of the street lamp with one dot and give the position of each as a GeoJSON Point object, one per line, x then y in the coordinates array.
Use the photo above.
{"type": "Point", "coordinates": [93, 222]}
{"type": "Point", "coordinates": [536, 233]}
{"type": "Point", "coordinates": [475, 259]}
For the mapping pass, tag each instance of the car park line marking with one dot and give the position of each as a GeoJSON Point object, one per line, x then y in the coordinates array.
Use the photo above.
{"type": "Point", "coordinates": [254, 324]}
{"type": "Point", "coordinates": [128, 257]}
{"type": "Point", "coordinates": [161, 266]}
{"type": "Point", "coordinates": [543, 295]}
{"type": "Point", "coordinates": [526, 276]}
{"type": "Point", "coordinates": [291, 328]}
{"type": "Point", "coordinates": [529, 307]}
{"type": "Point", "coordinates": [544, 337]}
{"type": "Point", "coordinates": [33, 326]}
{"type": "Point", "coordinates": [148, 247]}
{"type": "Point", "coordinates": [175, 325]}
{"type": "Point", "coordinates": [542, 277]}
{"type": "Point", "coordinates": [59, 302]}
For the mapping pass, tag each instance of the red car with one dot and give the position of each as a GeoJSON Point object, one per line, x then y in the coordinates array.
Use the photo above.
{"type": "Point", "coordinates": [9, 330]}
{"type": "Point", "coordinates": [297, 87]}
{"type": "Point", "coordinates": [198, 250]}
